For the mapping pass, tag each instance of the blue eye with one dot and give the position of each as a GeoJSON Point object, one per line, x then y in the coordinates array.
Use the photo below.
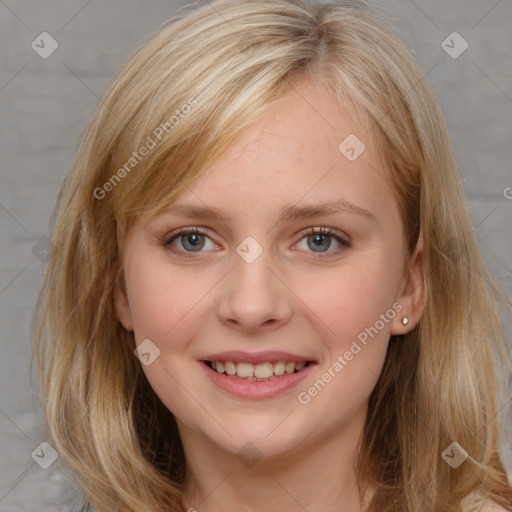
{"type": "Point", "coordinates": [191, 239]}
{"type": "Point", "coordinates": [319, 240]}
{"type": "Point", "coordinates": [194, 240]}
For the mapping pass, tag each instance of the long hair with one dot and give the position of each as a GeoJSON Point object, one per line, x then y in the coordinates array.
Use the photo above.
{"type": "Point", "coordinates": [169, 114]}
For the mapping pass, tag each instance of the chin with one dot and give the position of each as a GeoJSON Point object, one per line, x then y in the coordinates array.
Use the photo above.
{"type": "Point", "coordinates": [265, 440]}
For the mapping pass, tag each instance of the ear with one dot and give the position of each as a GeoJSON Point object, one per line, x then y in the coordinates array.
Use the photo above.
{"type": "Point", "coordinates": [411, 292]}
{"type": "Point", "coordinates": [122, 306]}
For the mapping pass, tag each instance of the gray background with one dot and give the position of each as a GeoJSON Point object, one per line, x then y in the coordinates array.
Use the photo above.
{"type": "Point", "coordinates": [46, 103]}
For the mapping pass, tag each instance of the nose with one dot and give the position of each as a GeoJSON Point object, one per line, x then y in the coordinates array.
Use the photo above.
{"type": "Point", "coordinates": [254, 298]}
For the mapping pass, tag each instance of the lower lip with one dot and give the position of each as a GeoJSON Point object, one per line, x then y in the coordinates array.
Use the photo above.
{"type": "Point", "coordinates": [254, 389]}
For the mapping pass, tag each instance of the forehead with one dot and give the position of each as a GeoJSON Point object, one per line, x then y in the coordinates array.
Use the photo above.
{"type": "Point", "coordinates": [306, 147]}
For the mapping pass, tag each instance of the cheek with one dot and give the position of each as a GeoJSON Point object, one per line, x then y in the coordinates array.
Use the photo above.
{"type": "Point", "coordinates": [352, 298]}
{"type": "Point", "coordinates": [165, 304]}
{"type": "Point", "coordinates": [161, 298]}
{"type": "Point", "coordinates": [355, 310]}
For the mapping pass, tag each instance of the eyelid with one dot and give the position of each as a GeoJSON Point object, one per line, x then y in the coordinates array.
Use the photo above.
{"type": "Point", "coordinates": [324, 230]}
{"type": "Point", "coordinates": [168, 236]}
{"type": "Point", "coordinates": [340, 237]}
{"type": "Point", "coordinates": [167, 240]}
{"type": "Point", "coordinates": [344, 240]}
{"type": "Point", "coordinates": [310, 230]}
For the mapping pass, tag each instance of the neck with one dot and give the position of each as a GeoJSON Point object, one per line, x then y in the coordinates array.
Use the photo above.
{"type": "Point", "coordinates": [316, 476]}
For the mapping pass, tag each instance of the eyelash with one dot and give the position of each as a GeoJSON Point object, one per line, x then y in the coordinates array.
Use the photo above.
{"type": "Point", "coordinates": [168, 239]}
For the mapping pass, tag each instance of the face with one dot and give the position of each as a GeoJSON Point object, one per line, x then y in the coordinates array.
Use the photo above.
{"type": "Point", "coordinates": [286, 256]}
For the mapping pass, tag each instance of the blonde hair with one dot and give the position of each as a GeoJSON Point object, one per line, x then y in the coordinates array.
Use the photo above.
{"type": "Point", "coordinates": [229, 61]}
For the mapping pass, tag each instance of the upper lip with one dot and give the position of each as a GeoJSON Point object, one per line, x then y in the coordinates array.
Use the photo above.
{"type": "Point", "coordinates": [240, 356]}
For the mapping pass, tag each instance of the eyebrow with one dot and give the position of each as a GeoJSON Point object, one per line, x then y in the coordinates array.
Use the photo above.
{"type": "Point", "coordinates": [288, 213]}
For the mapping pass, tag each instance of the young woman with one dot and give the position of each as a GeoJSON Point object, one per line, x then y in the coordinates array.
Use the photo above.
{"type": "Point", "coordinates": [265, 292]}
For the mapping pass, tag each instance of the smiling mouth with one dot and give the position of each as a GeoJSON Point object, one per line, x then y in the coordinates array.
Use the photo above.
{"type": "Point", "coordinates": [257, 372]}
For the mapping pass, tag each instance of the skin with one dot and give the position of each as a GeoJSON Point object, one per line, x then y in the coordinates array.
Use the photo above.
{"type": "Point", "coordinates": [292, 298]}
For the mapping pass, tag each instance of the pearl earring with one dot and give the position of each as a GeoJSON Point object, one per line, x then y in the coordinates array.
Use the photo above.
{"type": "Point", "coordinates": [405, 320]}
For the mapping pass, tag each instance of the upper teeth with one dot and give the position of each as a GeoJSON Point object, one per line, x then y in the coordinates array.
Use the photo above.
{"type": "Point", "coordinates": [260, 370]}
